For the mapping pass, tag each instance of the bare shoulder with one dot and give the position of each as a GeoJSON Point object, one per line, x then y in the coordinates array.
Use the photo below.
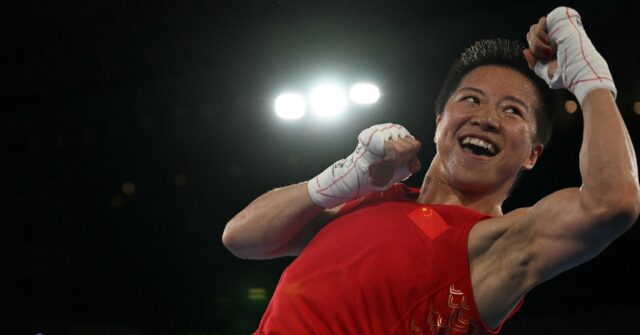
{"type": "Point", "coordinates": [485, 233]}
{"type": "Point", "coordinates": [497, 263]}
{"type": "Point", "coordinates": [511, 254]}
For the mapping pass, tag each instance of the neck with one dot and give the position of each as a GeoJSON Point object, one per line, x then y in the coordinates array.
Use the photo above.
{"type": "Point", "coordinates": [436, 189]}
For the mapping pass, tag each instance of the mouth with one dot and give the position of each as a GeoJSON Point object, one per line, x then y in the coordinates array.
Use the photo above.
{"type": "Point", "coordinates": [479, 146]}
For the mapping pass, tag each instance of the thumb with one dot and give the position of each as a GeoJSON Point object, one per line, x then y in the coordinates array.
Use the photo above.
{"type": "Point", "coordinates": [381, 174]}
{"type": "Point", "coordinates": [414, 164]}
{"type": "Point", "coordinates": [531, 59]}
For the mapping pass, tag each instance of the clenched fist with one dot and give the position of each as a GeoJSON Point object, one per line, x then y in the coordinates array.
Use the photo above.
{"type": "Point", "coordinates": [386, 154]}
{"type": "Point", "coordinates": [399, 154]}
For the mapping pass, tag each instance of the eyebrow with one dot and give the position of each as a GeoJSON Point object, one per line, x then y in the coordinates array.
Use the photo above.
{"type": "Point", "coordinates": [508, 97]}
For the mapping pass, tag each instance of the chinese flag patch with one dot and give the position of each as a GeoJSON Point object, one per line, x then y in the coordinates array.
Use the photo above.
{"type": "Point", "coordinates": [429, 221]}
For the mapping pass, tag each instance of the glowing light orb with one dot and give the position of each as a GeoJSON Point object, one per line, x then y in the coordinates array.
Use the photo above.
{"type": "Point", "coordinates": [364, 93]}
{"type": "Point", "coordinates": [328, 100]}
{"type": "Point", "coordinates": [290, 106]}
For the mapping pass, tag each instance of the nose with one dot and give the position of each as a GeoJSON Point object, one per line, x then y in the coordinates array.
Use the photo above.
{"type": "Point", "coordinates": [487, 120]}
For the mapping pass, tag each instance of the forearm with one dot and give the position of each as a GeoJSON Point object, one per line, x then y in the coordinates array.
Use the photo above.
{"type": "Point", "coordinates": [270, 222]}
{"type": "Point", "coordinates": [607, 158]}
{"type": "Point", "coordinates": [283, 221]}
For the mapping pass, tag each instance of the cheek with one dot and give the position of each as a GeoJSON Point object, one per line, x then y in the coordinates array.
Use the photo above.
{"type": "Point", "coordinates": [449, 122]}
{"type": "Point", "coordinates": [521, 138]}
{"type": "Point", "coordinates": [441, 123]}
{"type": "Point", "coordinates": [443, 130]}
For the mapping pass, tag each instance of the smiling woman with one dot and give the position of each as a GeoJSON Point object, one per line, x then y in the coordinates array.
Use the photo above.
{"type": "Point", "coordinates": [178, 97]}
{"type": "Point", "coordinates": [478, 125]}
{"type": "Point", "coordinates": [382, 258]}
{"type": "Point", "coordinates": [505, 53]}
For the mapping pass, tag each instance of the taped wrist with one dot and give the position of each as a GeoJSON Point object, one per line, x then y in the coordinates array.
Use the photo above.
{"type": "Point", "coordinates": [348, 178]}
{"type": "Point", "coordinates": [581, 68]}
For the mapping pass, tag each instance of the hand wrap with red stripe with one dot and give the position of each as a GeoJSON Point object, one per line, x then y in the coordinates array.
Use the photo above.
{"type": "Point", "coordinates": [581, 68]}
{"type": "Point", "coordinates": [348, 178]}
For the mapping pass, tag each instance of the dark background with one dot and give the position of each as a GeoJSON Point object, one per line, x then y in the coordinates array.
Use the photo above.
{"type": "Point", "coordinates": [174, 98]}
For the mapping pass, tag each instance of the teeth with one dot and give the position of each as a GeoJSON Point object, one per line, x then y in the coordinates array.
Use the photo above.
{"type": "Point", "coordinates": [480, 143]}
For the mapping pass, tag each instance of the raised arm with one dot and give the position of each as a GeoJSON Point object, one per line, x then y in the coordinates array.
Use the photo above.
{"type": "Point", "coordinates": [573, 225]}
{"type": "Point", "coordinates": [282, 222]}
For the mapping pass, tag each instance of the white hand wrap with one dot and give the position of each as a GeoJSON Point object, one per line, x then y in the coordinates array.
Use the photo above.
{"type": "Point", "coordinates": [581, 68]}
{"type": "Point", "coordinates": [348, 178]}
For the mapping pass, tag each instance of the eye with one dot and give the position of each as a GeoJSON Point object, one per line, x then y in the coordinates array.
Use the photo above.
{"type": "Point", "coordinates": [471, 99]}
{"type": "Point", "coordinates": [513, 110]}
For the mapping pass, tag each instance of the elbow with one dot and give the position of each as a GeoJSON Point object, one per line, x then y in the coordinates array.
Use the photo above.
{"type": "Point", "coordinates": [622, 207]}
{"type": "Point", "coordinates": [634, 205]}
{"type": "Point", "coordinates": [230, 241]}
{"type": "Point", "coordinates": [241, 245]}
{"type": "Point", "coordinates": [630, 205]}
{"type": "Point", "coordinates": [227, 238]}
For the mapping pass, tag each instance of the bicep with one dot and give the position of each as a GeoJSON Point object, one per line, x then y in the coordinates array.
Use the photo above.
{"type": "Point", "coordinates": [295, 246]}
{"type": "Point", "coordinates": [563, 231]}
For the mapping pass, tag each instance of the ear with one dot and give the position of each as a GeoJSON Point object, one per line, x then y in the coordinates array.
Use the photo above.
{"type": "Point", "coordinates": [536, 152]}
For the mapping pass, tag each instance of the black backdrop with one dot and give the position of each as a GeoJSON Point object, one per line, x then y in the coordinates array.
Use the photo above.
{"type": "Point", "coordinates": [134, 130]}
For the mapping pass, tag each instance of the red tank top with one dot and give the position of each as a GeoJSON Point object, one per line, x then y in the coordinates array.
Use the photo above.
{"type": "Point", "coordinates": [385, 265]}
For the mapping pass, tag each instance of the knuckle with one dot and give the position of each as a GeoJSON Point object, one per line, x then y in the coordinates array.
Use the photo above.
{"type": "Point", "coordinates": [390, 146]}
{"type": "Point", "coordinates": [537, 45]}
{"type": "Point", "coordinates": [534, 45]}
{"type": "Point", "coordinates": [390, 156]}
{"type": "Point", "coordinates": [411, 145]}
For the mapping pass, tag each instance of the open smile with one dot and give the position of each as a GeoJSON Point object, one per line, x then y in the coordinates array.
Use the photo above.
{"type": "Point", "coordinates": [478, 146]}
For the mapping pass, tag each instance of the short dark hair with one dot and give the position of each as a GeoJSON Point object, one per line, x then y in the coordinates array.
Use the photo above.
{"type": "Point", "coordinates": [507, 53]}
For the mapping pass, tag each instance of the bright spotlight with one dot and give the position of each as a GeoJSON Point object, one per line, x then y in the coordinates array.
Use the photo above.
{"type": "Point", "coordinates": [364, 93]}
{"type": "Point", "coordinates": [290, 106]}
{"type": "Point", "coordinates": [328, 100]}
